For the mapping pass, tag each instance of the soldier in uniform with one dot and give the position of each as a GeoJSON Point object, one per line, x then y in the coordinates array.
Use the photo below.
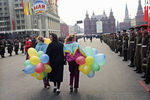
{"type": "Point", "coordinates": [120, 43]}
{"type": "Point", "coordinates": [144, 49]}
{"type": "Point", "coordinates": [9, 46]}
{"type": "Point", "coordinates": [22, 45]}
{"type": "Point", "coordinates": [2, 48]}
{"type": "Point", "coordinates": [16, 46]}
{"type": "Point", "coordinates": [132, 46]}
{"type": "Point", "coordinates": [147, 75]}
{"type": "Point", "coordinates": [138, 51]}
{"type": "Point", "coordinates": [116, 41]}
{"type": "Point", "coordinates": [125, 45]}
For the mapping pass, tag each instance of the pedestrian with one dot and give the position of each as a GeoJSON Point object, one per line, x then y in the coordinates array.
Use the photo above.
{"type": "Point", "coordinates": [9, 46]}
{"type": "Point", "coordinates": [56, 59]}
{"type": "Point", "coordinates": [22, 44]}
{"type": "Point", "coordinates": [120, 43]}
{"type": "Point", "coordinates": [101, 38]}
{"type": "Point", "coordinates": [72, 50]}
{"type": "Point", "coordinates": [84, 38]}
{"type": "Point", "coordinates": [2, 48]}
{"type": "Point", "coordinates": [28, 44]}
{"type": "Point", "coordinates": [91, 38]}
{"type": "Point", "coordinates": [34, 42]}
{"type": "Point", "coordinates": [16, 46]}
{"type": "Point", "coordinates": [41, 46]}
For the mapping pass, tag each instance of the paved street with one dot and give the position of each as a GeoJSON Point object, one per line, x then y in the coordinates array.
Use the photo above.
{"type": "Point", "coordinates": [115, 81]}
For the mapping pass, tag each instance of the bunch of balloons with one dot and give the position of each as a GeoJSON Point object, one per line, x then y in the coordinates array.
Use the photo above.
{"type": "Point", "coordinates": [38, 64]}
{"type": "Point", "coordinates": [47, 41]}
{"type": "Point", "coordinates": [92, 62]}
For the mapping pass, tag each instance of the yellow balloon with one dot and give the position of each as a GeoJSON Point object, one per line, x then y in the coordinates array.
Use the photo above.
{"type": "Point", "coordinates": [35, 60]}
{"type": "Point", "coordinates": [32, 52]}
{"type": "Point", "coordinates": [47, 41]}
{"type": "Point", "coordinates": [86, 69]}
{"type": "Point", "coordinates": [81, 68]}
{"type": "Point", "coordinates": [89, 60]}
{"type": "Point", "coordinates": [33, 74]}
{"type": "Point", "coordinates": [48, 68]}
{"type": "Point", "coordinates": [40, 76]}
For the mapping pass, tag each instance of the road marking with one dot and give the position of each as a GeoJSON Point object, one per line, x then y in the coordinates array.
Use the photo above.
{"type": "Point", "coordinates": [145, 87]}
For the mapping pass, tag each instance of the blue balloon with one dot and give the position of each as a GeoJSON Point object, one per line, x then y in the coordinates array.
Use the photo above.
{"type": "Point", "coordinates": [99, 58]}
{"type": "Point", "coordinates": [44, 59]}
{"type": "Point", "coordinates": [29, 69]}
{"type": "Point", "coordinates": [95, 51]}
{"type": "Point", "coordinates": [40, 53]}
{"type": "Point", "coordinates": [91, 74]}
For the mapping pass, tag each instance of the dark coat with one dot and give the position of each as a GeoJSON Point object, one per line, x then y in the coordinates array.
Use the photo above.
{"type": "Point", "coordinates": [56, 56]}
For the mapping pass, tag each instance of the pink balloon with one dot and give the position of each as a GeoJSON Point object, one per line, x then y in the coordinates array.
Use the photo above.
{"type": "Point", "coordinates": [80, 60]}
{"type": "Point", "coordinates": [39, 68]}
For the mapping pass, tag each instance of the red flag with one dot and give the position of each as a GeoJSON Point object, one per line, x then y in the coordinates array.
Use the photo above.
{"type": "Point", "coordinates": [144, 13]}
{"type": "Point", "coordinates": [22, 5]}
{"type": "Point", "coordinates": [50, 3]}
{"type": "Point", "coordinates": [13, 24]}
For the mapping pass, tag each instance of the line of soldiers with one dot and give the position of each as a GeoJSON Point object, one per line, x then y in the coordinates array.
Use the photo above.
{"type": "Point", "coordinates": [134, 46]}
{"type": "Point", "coordinates": [10, 44]}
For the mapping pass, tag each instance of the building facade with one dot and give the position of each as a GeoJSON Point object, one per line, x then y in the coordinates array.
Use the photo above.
{"type": "Point", "coordinates": [64, 29]}
{"type": "Point", "coordinates": [108, 23]}
{"type": "Point", "coordinates": [17, 22]}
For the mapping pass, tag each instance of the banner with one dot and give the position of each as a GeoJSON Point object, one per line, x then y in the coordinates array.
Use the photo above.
{"type": "Point", "coordinates": [99, 27]}
{"type": "Point", "coordinates": [39, 7]}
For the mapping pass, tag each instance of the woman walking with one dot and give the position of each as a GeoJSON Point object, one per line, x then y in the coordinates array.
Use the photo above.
{"type": "Point", "coordinates": [56, 56]}
{"type": "Point", "coordinates": [72, 50]}
{"type": "Point", "coordinates": [41, 46]}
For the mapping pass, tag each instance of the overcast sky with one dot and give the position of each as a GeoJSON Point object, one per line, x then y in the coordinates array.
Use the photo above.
{"type": "Point", "coordinates": [72, 10]}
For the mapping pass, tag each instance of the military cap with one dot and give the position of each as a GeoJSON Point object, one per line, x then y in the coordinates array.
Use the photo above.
{"type": "Point", "coordinates": [131, 29]}
{"type": "Point", "coordinates": [118, 32]}
{"type": "Point", "coordinates": [137, 28]}
{"type": "Point", "coordinates": [124, 30]}
{"type": "Point", "coordinates": [144, 27]}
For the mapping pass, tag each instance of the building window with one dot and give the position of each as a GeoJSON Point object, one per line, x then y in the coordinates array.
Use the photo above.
{"type": "Point", "coordinates": [5, 8]}
{"type": "Point", "coordinates": [22, 15]}
{"type": "Point", "coordinates": [5, 3]}
{"type": "Point", "coordinates": [22, 21]}
{"type": "Point", "coordinates": [18, 27]}
{"type": "Point", "coordinates": [18, 21]}
{"type": "Point", "coordinates": [5, 13]}
{"type": "Point", "coordinates": [17, 16]}
{"type": "Point", "coordinates": [23, 27]}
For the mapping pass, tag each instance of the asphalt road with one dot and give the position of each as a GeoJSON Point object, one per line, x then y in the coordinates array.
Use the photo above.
{"type": "Point", "coordinates": [114, 81]}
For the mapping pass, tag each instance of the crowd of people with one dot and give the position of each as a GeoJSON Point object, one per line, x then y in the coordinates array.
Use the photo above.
{"type": "Point", "coordinates": [18, 44]}
{"type": "Point", "coordinates": [134, 46]}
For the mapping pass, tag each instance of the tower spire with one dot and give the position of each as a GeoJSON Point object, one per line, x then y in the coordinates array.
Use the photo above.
{"type": "Point", "coordinates": [126, 19]}
{"type": "Point", "coordinates": [140, 6]}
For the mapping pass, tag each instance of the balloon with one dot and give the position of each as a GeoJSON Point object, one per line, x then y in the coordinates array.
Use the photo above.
{"type": "Point", "coordinates": [95, 67]}
{"type": "Point", "coordinates": [89, 60]}
{"type": "Point", "coordinates": [88, 51]}
{"type": "Point", "coordinates": [80, 60]}
{"type": "Point", "coordinates": [35, 60]}
{"type": "Point", "coordinates": [81, 68]}
{"type": "Point", "coordinates": [27, 62]}
{"type": "Point", "coordinates": [32, 52]}
{"type": "Point", "coordinates": [40, 76]}
{"type": "Point", "coordinates": [95, 51]}
{"type": "Point", "coordinates": [29, 69]}
{"type": "Point", "coordinates": [47, 41]}
{"type": "Point", "coordinates": [86, 69]}
{"type": "Point", "coordinates": [47, 69]}
{"type": "Point", "coordinates": [44, 58]}
{"type": "Point", "coordinates": [99, 58]}
{"type": "Point", "coordinates": [39, 68]}
{"type": "Point", "coordinates": [33, 74]}
{"type": "Point", "coordinates": [91, 74]}
{"type": "Point", "coordinates": [40, 53]}
{"type": "Point", "coordinates": [102, 63]}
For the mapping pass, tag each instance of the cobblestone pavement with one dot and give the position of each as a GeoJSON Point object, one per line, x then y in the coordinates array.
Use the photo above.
{"type": "Point", "coordinates": [114, 81]}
